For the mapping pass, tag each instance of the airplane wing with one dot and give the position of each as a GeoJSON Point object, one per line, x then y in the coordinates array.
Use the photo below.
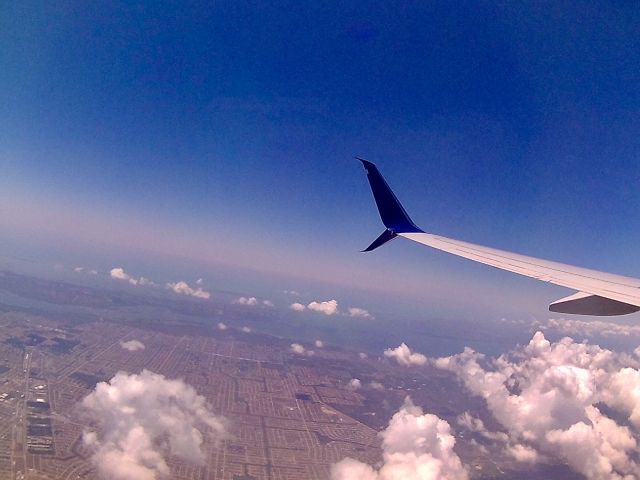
{"type": "Point", "coordinates": [598, 293]}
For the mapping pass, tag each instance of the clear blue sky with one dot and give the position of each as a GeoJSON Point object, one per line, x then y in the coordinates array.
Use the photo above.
{"type": "Point", "coordinates": [234, 125]}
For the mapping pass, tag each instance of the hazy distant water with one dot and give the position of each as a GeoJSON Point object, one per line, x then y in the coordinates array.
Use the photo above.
{"type": "Point", "coordinates": [433, 337]}
{"type": "Point", "coordinates": [424, 331]}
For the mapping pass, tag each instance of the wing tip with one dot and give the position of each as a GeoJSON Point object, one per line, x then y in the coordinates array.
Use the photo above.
{"type": "Point", "coordinates": [366, 163]}
{"type": "Point", "coordinates": [392, 213]}
{"type": "Point", "coordinates": [384, 237]}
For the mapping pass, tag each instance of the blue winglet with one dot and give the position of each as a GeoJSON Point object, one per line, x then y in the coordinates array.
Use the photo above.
{"type": "Point", "coordinates": [384, 237]}
{"type": "Point", "coordinates": [393, 215]}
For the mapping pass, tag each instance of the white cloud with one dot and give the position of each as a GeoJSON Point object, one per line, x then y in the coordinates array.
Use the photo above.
{"type": "Point", "coordinates": [623, 393]}
{"type": "Point", "coordinates": [362, 355]}
{"type": "Point", "coordinates": [221, 326]}
{"type": "Point", "coordinates": [522, 453]}
{"type": "Point", "coordinates": [140, 419]}
{"type": "Point", "coordinates": [246, 329]}
{"type": "Point", "coordinates": [90, 271]}
{"type": "Point", "coordinates": [132, 345]}
{"type": "Point", "coordinates": [118, 273]}
{"type": "Point", "coordinates": [359, 312]}
{"type": "Point", "coordinates": [300, 350]}
{"type": "Point", "coordinates": [199, 282]}
{"type": "Point", "coordinates": [319, 344]}
{"type": "Point", "coordinates": [581, 329]}
{"type": "Point", "coordinates": [330, 307]}
{"type": "Point", "coordinates": [251, 301]}
{"type": "Point", "coordinates": [293, 293]}
{"type": "Point", "coordinates": [350, 469]}
{"type": "Point", "coordinates": [183, 288]}
{"type": "Point", "coordinates": [473, 424]}
{"type": "Point", "coordinates": [297, 307]}
{"type": "Point", "coordinates": [354, 384]}
{"type": "Point", "coordinates": [404, 356]}
{"type": "Point", "coordinates": [548, 397]}
{"type": "Point", "coordinates": [415, 446]}
{"type": "Point", "coordinates": [376, 386]}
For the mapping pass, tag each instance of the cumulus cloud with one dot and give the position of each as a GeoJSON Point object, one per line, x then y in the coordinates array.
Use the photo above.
{"type": "Point", "coordinates": [415, 446]}
{"type": "Point", "coordinates": [330, 307]}
{"type": "Point", "coordinates": [476, 425]}
{"type": "Point", "coordinates": [523, 453]}
{"type": "Point", "coordinates": [246, 329]}
{"type": "Point", "coordinates": [118, 273]}
{"type": "Point", "coordinates": [550, 398]}
{"type": "Point", "coordinates": [251, 301]}
{"type": "Point", "coordinates": [297, 348]}
{"type": "Point", "coordinates": [354, 384]}
{"type": "Point", "coordinates": [359, 312]}
{"type": "Point", "coordinates": [362, 355]}
{"type": "Point", "coordinates": [319, 344]}
{"type": "Point", "coordinates": [199, 282]}
{"type": "Point", "coordinates": [404, 356]}
{"type": "Point", "coordinates": [297, 307]}
{"type": "Point", "coordinates": [581, 329]}
{"type": "Point", "coordinates": [300, 350]}
{"type": "Point", "coordinates": [88, 271]}
{"type": "Point", "coordinates": [140, 419]}
{"type": "Point", "coordinates": [132, 345]}
{"type": "Point", "coordinates": [376, 386]}
{"type": "Point", "coordinates": [183, 288]}
{"type": "Point", "coordinates": [222, 326]}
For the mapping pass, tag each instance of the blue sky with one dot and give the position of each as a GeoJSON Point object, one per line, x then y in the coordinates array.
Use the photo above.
{"type": "Point", "coordinates": [229, 130]}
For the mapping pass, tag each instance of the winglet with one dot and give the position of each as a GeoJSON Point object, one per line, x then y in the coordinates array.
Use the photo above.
{"type": "Point", "coordinates": [381, 240]}
{"type": "Point", "coordinates": [393, 215]}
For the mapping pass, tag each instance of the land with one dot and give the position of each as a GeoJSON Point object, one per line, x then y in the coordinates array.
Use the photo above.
{"type": "Point", "coordinates": [290, 416]}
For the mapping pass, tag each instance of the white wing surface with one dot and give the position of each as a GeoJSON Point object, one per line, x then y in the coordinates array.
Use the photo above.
{"type": "Point", "coordinates": [599, 293]}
